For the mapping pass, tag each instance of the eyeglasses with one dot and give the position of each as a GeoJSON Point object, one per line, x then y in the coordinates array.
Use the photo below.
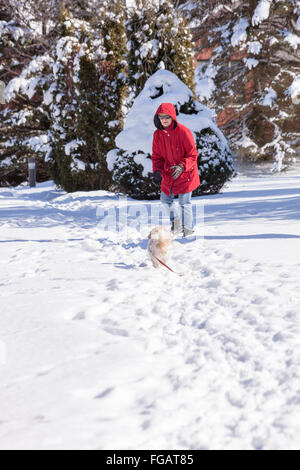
{"type": "Point", "coordinates": [164, 117]}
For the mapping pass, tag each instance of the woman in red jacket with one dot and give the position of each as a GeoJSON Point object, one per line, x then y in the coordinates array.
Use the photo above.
{"type": "Point", "coordinates": [174, 162]}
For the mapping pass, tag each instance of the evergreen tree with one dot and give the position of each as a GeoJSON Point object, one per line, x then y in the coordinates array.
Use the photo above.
{"type": "Point", "coordinates": [64, 90]}
{"type": "Point", "coordinates": [74, 111]}
{"type": "Point", "coordinates": [176, 47]}
{"type": "Point", "coordinates": [158, 38]}
{"type": "Point", "coordinates": [251, 78]}
{"type": "Point", "coordinates": [24, 69]}
{"type": "Point", "coordinates": [142, 47]}
{"type": "Point", "coordinates": [86, 100]}
{"type": "Point", "coordinates": [112, 67]}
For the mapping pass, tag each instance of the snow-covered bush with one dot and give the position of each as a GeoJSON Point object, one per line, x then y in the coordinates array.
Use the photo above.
{"type": "Point", "coordinates": [131, 163]}
{"type": "Point", "coordinates": [214, 162]}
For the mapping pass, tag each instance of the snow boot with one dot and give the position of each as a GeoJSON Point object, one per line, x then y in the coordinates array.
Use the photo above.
{"type": "Point", "coordinates": [176, 227]}
{"type": "Point", "coordinates": [187, 231]}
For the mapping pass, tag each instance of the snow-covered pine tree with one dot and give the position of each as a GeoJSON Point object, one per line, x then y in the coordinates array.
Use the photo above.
{"type": "Point", "coordinates": [73, 108]}
{"type": "Point", "coordinates": [24, 69]}
{"type": "Point", "coordinates": [158, 37]}
{"type": "Point", "coordinates": [131, 164]}
{"type": "Point", "coordinates": [253, 77]}
{"type": "Point", "coordinates": [176, 49]}
{"type": "Point", "coordinates": [85, 100]}
{"type": "Point", "coordinates": [142, 47]}
{"type": "Point", "coordinates": [112, 67]}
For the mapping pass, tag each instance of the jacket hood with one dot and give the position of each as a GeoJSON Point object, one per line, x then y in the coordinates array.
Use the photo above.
{"type": "Point", "coordinates": [165, 108]}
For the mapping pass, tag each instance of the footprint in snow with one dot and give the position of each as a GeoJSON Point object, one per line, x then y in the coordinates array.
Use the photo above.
{"type": "Point", "coordinates": [40, 419]}
{"type": "Point", "coordinates": [103, 394]}
{"type": "Point", "coordinates": [116, 331]}
{"type": "Point", "coordinates": [79, 316]}
{"type": "Point", "coordinates": [112, 285]}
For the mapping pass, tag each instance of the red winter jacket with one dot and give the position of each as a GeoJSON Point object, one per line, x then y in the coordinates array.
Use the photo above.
{"type": "Point", "coordinates": [171, 146]}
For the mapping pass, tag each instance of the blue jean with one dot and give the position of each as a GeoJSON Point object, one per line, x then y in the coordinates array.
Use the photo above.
{"type": "Point", "coordinates": [183, 210]}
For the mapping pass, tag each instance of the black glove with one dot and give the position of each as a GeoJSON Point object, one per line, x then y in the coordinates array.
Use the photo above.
{"type": "Point", "coordinates": [177, 170]}
{"type": "Point", "coordinates": [157, 177]}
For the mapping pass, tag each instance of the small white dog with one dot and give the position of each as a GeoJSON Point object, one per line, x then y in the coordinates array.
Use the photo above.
{"type": "Point", "coordinates": [160, 245]}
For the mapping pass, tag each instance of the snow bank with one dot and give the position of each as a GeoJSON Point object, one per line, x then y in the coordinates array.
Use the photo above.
{"type": "Point", "coordinates": [95, 358]}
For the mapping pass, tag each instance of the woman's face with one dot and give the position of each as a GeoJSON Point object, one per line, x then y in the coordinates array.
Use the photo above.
{"type": "Point", "coordinates": [165, 120]}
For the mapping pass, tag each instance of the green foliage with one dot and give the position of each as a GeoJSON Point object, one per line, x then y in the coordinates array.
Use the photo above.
{"type": "Point", "coordinates": [86, 110]}
{"type": "Point", "coordinates": [112, 68]}
{"type": "Point", "coordinates": [75, 119]}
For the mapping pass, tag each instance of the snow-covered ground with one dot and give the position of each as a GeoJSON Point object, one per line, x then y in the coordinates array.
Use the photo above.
{"type": "Point", "coordinates": [98, 350]}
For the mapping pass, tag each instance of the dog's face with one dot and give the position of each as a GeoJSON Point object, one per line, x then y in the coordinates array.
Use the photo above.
{"type": "Point", "coordinates": [160, 237]}
{"type": "Point", "coordinates": [160, 245]}
{"type": "Point", "coordinates": [159, 233]}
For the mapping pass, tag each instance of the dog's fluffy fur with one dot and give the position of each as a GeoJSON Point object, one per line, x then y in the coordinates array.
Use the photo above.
{"type": "Point", "coordinates": [160, 245]}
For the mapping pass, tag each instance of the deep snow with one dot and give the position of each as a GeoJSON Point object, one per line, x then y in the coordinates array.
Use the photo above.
{"type": "Point", "coordinates": [101, 351]}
